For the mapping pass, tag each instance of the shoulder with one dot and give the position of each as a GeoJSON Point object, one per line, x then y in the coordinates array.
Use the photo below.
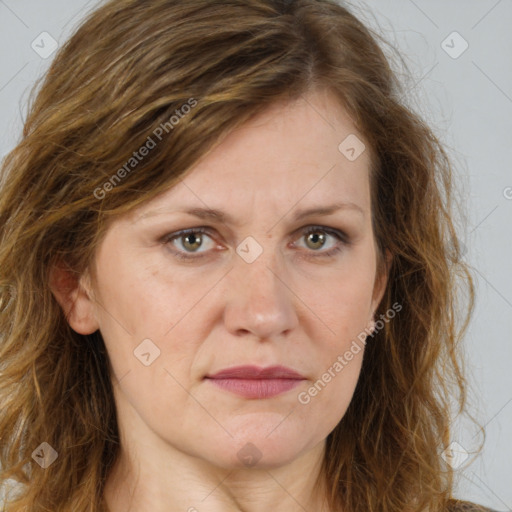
{"type": "Point", "coordinates": [466, 506]}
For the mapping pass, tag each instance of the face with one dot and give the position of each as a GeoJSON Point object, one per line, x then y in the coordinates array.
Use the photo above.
{"type": "Point", "coordinates": [268, 284]}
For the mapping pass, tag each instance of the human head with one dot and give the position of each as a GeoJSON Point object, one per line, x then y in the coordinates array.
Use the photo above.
{"type": "Point", "coordinates": [88, 119]}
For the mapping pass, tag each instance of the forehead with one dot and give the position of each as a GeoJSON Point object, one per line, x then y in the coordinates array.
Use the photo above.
{"type": "Point", "coordinates": [291, 153]}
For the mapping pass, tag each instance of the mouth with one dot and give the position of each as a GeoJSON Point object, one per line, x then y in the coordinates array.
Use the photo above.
{"type": "Point", "coordinates": [256, 383]}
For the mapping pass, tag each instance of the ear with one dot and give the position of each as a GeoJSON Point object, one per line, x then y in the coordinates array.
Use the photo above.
{"type": "Point", "coordinates": [75, 296]}
{"type": "Point", "coordinates": [381, 281]}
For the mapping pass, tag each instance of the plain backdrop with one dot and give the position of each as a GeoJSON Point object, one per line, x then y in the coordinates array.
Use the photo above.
{"type": "Point", "coordinates": [459, 56]}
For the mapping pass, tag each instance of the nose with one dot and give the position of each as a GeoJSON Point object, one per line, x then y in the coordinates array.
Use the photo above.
{"type": "Point", "coordinates": [259, 301]}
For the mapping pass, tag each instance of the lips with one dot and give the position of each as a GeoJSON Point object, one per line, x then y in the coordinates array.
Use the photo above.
{"type": "Point", "coordinates": [253, 372]}
{"type": "Point", "coordinates": [256, 383]}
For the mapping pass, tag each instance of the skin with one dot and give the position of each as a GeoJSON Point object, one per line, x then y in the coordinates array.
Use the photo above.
{"type": "Point", "coordinates": [180, 434]}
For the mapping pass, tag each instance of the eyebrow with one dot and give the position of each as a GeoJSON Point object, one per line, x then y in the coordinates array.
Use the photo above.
{"type": "Point", "coordinates": [223, 217]}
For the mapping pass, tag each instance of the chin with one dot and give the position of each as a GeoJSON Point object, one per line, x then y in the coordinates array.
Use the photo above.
{"type": "Point", "coordinates": [263, 445]}
{"type": "Point", "coordinates": [261, 454]}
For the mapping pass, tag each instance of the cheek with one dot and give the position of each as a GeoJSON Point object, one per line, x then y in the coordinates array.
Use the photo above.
{"type": "Point", "coordinates": [326, 400]}
{"type": "Point", "coordinates": [131, 293]}
{"type": "Point", "coordinates": [144, 318]}
{"type": "Point", "coordinates": [341, 302]}
{"type": "Point", "coordinates": [339, 336]}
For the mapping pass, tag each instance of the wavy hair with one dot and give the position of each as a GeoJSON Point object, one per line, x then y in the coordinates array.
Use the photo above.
{"type": "Point", "coordinates": [129, 68]}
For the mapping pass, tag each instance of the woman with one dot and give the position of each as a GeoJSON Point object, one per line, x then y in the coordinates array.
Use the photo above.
{"type": "Point", "coordinates": [228, 270]}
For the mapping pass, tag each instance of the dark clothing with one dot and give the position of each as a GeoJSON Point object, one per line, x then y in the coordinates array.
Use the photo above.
{"type": "Point", "coordinates": [467, 506]}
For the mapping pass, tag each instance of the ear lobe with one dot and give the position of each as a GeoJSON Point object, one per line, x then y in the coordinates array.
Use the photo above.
{"type": "Point", "coordinates": [74, 297]}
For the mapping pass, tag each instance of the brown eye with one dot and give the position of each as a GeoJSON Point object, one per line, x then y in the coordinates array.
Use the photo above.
{"type": "Point", "coordinates": [315, 239]}
{"type": "Point", "coordinates": [192, 241]}
{"type": "Point", "coordinates": [330, 240]}
{"type": "Point", "coordinates": [186, 244]}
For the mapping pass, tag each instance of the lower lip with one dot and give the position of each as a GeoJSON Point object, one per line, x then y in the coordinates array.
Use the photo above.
{"type": "Point", "coordinates": [256, 388]}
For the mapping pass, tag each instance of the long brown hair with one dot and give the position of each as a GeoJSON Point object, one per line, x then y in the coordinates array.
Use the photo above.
{"type": "Point", "coordinates": [129, 70]}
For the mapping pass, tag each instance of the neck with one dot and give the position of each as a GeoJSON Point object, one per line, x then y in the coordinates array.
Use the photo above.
{"type": "Point", "coordinates": [193, 485]}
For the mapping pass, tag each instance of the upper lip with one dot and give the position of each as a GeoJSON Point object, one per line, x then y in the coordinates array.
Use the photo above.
{"type": "Point", "coordinates": [255, 372]}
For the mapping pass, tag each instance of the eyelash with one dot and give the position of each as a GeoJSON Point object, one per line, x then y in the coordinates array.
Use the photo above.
{"type": "Point", "coordinates": [342, 238]}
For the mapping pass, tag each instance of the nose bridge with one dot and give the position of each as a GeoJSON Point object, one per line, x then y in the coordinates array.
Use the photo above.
{"type": "Point", "coordinates": [259, 301]}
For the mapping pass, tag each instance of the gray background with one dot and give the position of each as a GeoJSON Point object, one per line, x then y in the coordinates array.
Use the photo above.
{"type": "Point", "coordinates": [467, 99]}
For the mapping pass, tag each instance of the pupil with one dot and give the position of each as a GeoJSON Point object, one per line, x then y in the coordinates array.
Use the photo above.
{"type": "Point", "coordinates": [315, 237]}
{"type": "Point", "coordinates": [192, 239]}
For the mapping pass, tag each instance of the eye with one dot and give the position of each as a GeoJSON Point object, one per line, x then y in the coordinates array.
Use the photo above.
{"type": "Point", "coordinates": [188, 242]}
{"type": "Point", "coordinates": [317, 237]}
